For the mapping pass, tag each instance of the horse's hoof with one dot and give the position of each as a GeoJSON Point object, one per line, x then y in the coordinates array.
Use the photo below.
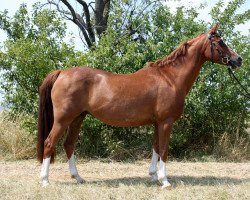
{"type": "Point", "coordinates": [80, 181]}
{"type": "Point", "coordinates": [45, 183]}
{"type": "Point", "coordinates": [154, 178]}
{"type": "Point", "coordinates": [166, 185]}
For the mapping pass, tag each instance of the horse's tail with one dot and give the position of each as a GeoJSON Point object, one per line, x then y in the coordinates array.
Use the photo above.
{"type": "Point", "coordinates": [45, 115]}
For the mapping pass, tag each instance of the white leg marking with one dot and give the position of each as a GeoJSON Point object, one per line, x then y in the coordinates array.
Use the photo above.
{"type": "Point", "coordinates": [73, 169]}
{"type": "Point", "coordinates": [153, 167]}
{"type": "Point", "coordinates": [162, 175]}
{"type": "Point", "coordinates": [45, 172]}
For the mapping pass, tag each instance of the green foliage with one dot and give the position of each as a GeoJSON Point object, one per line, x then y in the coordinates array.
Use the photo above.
{"type": "Point", "coordinates": [101, 140]}
{"type": "Point", "coordinates": [34, 47]}
{"type": "Point", "coordinates": [121, 53]}
{"type": "Point", "coordinates": [160, 35]}
{"type": "Point", "coordinates": [214, 107]}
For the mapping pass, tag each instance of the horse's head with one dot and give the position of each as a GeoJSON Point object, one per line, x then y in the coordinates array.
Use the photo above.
{"type": "Point", "coordinates": [217, 51]}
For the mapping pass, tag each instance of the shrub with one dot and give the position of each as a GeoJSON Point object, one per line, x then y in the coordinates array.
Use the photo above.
{"type": "Point", "coordinates": [214, 107]}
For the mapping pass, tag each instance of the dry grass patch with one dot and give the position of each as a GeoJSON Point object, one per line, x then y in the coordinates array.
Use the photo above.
{"type": "Point", "coordinates": [15, 141]}
{"type": "Point", "coordinates": [233, 148]}
{"type": "Point", "coordinates": [117, 180]}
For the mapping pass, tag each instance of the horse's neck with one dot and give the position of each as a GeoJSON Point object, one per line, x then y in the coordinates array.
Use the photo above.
{"type": "Point", "coordinates": [187, 68]}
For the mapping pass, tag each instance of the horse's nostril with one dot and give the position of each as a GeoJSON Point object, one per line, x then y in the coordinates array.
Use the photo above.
{"type": "Point", "coordinates": [239, 59]}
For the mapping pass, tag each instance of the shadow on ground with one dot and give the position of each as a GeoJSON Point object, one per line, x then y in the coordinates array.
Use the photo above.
{"type": "Point", "coordinates": [174, 180]}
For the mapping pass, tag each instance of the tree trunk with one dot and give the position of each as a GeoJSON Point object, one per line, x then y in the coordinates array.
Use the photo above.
{"type": "Point", "coordinates": [101, 15]}
{"type": "Point", "coordinates": [83, 20]}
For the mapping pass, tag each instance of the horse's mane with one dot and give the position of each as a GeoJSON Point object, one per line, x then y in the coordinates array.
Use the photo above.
{"type": "Point", "coordinates": [180, 51]}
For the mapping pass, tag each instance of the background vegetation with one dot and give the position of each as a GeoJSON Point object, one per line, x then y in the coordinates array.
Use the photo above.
{"type": "Point", "coordinates": [216, 114]}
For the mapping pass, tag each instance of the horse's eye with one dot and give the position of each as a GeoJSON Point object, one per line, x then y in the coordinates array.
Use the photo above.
{"type": "Point", "coordinates": [222, 44]}
{"type": "Point", "coordinates": [215, 43]}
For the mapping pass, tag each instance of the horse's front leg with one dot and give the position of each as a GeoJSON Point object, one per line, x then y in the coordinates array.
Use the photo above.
{"type": "Point", "coordinates": [73, 170]}
{"type": "Point", "coordinates": [155, 157]}
{"type": "Point", "coordinates": [153, 166]}
{"type": "Point", "coordinates": [164, 130]}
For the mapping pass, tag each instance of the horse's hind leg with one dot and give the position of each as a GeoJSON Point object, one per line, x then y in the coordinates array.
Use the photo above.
{"type": "Point", "coordinates": [49, 146]}
{"type": "Point", "coordinates": [69, 146]}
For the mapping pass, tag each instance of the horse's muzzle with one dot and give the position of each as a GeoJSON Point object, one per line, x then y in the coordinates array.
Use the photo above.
{"type": "Point", "coordinates": [235, 63]}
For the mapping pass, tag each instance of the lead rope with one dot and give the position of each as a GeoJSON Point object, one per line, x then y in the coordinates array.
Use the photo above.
{"type": "Point", "coordinates": [232, 75]}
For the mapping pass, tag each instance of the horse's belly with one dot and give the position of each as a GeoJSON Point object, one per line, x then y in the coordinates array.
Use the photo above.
{"type": "Point", "coordinates": [125, 122]}
{"type": "Point", "coordinates": [124, 118]}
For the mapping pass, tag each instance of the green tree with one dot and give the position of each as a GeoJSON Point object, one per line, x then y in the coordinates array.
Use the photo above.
{"type": "Point", "coordinates": [92, 18]}
{"type": "Point", "coordinates": [215, 108]}
{"type": "Point", "coordinates": [217, 113]}
{"type": "Point", "coordinates": [34, 47]}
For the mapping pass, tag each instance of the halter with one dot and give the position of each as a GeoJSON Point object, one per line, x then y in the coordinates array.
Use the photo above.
{"type": "Point", "coordinates": [224, 59]}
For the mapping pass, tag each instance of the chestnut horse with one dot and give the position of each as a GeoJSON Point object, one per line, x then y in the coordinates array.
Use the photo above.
{"type": "Point", "coordinates": [154, 94]}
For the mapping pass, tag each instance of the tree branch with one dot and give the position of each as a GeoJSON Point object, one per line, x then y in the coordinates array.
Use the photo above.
{"type": "Point", "coordinates": [89, 26]}
{"type": "Point", "coordinates": [77, 21]}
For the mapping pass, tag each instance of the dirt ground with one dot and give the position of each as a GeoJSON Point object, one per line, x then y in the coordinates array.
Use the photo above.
{"type": "Point", "coordinates": [125, 180]}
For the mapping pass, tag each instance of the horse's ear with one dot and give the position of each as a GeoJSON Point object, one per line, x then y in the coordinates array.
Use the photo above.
{"type": "Point", "coordinates": [214, 29]}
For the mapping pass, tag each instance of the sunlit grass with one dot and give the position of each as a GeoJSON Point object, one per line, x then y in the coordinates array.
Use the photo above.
{"type": "Point", "coordinates": [119, 180]}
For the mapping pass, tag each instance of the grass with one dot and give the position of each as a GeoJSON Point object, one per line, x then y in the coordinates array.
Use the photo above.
{"type": "Point", "coordinates": [19, 179]}
{"type": "Point", "coordinates": [15, 141]}
{"type": "Point", "coordinates": [121, 180]}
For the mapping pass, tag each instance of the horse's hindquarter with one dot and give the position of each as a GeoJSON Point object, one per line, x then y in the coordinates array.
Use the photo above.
{"type": "Point", "coordinates": [123, 100]}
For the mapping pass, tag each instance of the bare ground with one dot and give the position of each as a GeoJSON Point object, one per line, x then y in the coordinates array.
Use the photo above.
{"type": "Point", "coordinates": [119, 180]}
